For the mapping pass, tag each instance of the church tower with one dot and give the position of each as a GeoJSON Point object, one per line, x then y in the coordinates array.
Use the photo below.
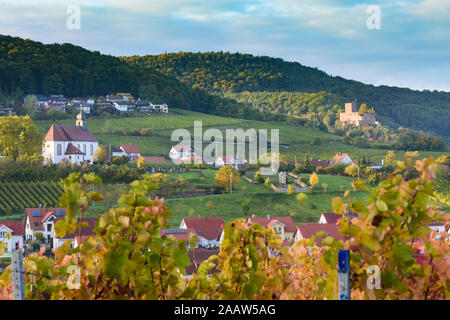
{"type": "Point", "coordinates": [81, 120]}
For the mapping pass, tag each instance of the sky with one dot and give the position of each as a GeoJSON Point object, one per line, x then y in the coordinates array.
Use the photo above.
{"type": "Point", "coordinates": [408, 46]}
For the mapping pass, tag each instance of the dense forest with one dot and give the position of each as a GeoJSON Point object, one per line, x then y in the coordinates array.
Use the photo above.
{"type": "Point", "coordinates": [29, 67]}
{"type": "Point", "coordinates": [227, 73]}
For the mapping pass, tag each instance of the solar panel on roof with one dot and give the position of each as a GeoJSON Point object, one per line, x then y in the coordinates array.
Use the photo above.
{"type": "Point", "coordinates": [36, 213]}
{"type": "Point", "coordinates": [60, 213]}
{"type": "Point", "coordinates": [175, 231]}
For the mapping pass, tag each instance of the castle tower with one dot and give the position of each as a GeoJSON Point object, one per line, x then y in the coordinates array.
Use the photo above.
{"type": "Point", "coordinates": [81, 120]}
{"type": "Point", "coordinates": [351, 107]}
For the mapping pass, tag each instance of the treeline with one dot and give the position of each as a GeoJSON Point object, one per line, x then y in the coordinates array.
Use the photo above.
{"type": "Point", "coordinates": [223, 72]}
{"type": "Point", "coordinates": [31, 67]}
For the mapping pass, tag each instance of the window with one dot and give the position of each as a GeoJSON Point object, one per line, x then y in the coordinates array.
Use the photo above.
{"type": "Point", "coordinates": [92, 149]}
{"type": "Point", "coordinates": [2, 234]}
{"type": "Point", "coordinates": [49, 227]}
{"type": "Point", "coordinates": [59, 150]}
{"type": "Point", "coordinates": [84, 149]}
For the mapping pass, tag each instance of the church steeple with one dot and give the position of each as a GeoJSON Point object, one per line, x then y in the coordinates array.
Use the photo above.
{"type": "Point", "coordinates": [81, 120]}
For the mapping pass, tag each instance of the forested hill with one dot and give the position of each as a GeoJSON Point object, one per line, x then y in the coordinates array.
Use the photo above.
{"type": "Point", "coordinates": [227, 73]}
{"type": "Point", "coordinates": [32, 67]}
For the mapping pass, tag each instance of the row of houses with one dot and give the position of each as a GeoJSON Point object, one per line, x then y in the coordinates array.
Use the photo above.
{"type": "Point", "coordinates": [209, 232]}
{"type": "Point", "coordinates": [124, 102]}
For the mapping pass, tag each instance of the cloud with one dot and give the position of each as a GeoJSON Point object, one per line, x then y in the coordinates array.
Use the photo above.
{"type": "Point", "coordinates": [332, 35]}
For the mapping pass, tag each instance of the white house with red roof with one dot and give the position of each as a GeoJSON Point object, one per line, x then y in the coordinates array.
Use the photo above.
{"type": "Point", "coordinates": [208, 230]}
{"type": "Point", "coordinates": [341, 158]}
{"type": "Point", "coordinates": [17, 234]}
{"type": "Point", "coordinates": [284, 226]}
{"type": "Point", "coordinates": [75, 238]}
{"type": "Point", "coordinates": [309, 230]}
{"type": "Point", "coordinates": [183, 154]}
{"type": "Point", "coordinates": [131, 151]}
{"type": "Point", "coordinates": [74, 144]}
{"type": "Point", "coordinates": [42, 220]}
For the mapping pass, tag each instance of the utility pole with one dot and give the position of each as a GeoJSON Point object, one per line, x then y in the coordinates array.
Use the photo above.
{"type": "Point", "coordinates": [17, 274]}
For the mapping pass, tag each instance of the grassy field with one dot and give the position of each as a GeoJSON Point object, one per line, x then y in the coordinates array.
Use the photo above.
{"type": "Point", "coordinates": [263, 200]}
{"type": "Point", "coordinates": [295, 141]}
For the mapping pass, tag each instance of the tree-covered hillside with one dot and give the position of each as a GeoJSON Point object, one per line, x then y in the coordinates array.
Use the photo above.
{"type": "Point", "coordinates": [220, 72]}
{"type": "Point", "coordinates": [29, 67]}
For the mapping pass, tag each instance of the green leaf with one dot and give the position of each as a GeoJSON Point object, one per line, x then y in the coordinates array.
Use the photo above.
{"type": "Point", "coordinates": [338, 205]}
{"type": "Point", "coordinates": [381, 206]}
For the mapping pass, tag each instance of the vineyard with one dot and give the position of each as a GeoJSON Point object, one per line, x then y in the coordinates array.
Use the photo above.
{"type": "Point", "coordinates": [442, 190]}
{"type": "Point", "coordinates": [15, 197]}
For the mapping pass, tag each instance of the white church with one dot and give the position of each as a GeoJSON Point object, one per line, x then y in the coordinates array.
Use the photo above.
{"type": "Point", "coordinates": [75, 144]}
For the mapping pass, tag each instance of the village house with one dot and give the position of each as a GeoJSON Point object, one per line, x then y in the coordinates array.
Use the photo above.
{"type": "Point", "coordinates": [179, 234]}
{"type": "Point", "coordinates": [60, 106]}
{"type": "Point", "coordinates": [41, 220]}
{"type": "Point", "coordinates": [144, 106]}
{"type": "Point", "coordinates": [197, 256]}
{"type": "Point", "coordinates": [130, 151]}
{"type": "Point", "coordinates": [309, 230]}
{"type": "Point", "coordinates": [17, 233]}
{"type": "Point", "coordinates": [164, 108]}
{"type": "Point", "coordinates": [75, 238]}
{"type": "Point", "coordinates": [74, 144]}
{"type": "Point", "coordinates": [284, 226]}
{"type": "Point", "coordinates": [341, 158]}
{"type": "Point", "coordinates": [182, 154]}
{"type": "Point", "coordinates": [7, 112]}
{"type": "Point", "coordinates": [208, 230]}
{"type": "Point", "coordinates": [333, 218]}
{"type": "Point", "coordinates": [236, 162]}
{"type": "Point", "coordinates": [352, 116]}
{"type": "Point", "coordinates": [124, 106]}
{"type": "Point", "coordinates": [126, 97]}
{"type": "Point", "coordinates": [113, 98]}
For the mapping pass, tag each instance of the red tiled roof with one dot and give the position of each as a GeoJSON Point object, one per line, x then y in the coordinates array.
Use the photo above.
{"type": "Point", "coordinates": [130, 148]}
{"type": "Point", "coordinates": [17, 227]}
{"type": "Point", "coordinates": [58, 132]}
{"type": "Point", "coordinates": [317, 163]}
{"type": "Point", "coordinates": [337, 159]}
{"type": "Point", "coordinates": [208, 228]}
{"type": "Point", "coordinates": [155, 160]}
{"type": "Point", "coordinates": [177, 234]}
{"type": "Point", "coordinates": [44, 214]}
{"type": "Point", "coordinates": [197, 256]}
{"type": "Point", "coordinates": [71, 149]}
{"type": "Point", "coordinates": [312, 229]}
{"type": "Point", "coordinates": [264, 221]}
{"type": "Point", "coordinates": [85, 231]}
{"type": "Point", "coordinates": [331, 217]}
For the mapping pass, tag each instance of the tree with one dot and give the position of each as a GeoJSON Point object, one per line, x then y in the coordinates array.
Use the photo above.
{"type": "Point", "coordinates": [352, 170]}
{"type": "Point", "coordinates": [19, 137]}
{"type": "Point", "coordinates": [324, 187]}
{"type": "Point", "coordinates": [363, 109]}
{"type": "Point", "coordinates": [30, 104]}
{"type": "Point", "coordinates": [267, 183]}
{"type": "Point", "coordinates": [313, 180]}
{"type": "Point", "coordinates": [140, 162]}
{"type": "Point", "coordinates": [390, 160]}
{"type": "Point", "coordinates": [227, 177]}
{"type": "Point", "coordinates": [301, 198]}
{"type": "Point", "coordinates": [101, 154]}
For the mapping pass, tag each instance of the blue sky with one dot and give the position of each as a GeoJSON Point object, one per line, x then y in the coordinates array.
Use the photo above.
{"type": "Point", "coordinates": [412, 48]}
